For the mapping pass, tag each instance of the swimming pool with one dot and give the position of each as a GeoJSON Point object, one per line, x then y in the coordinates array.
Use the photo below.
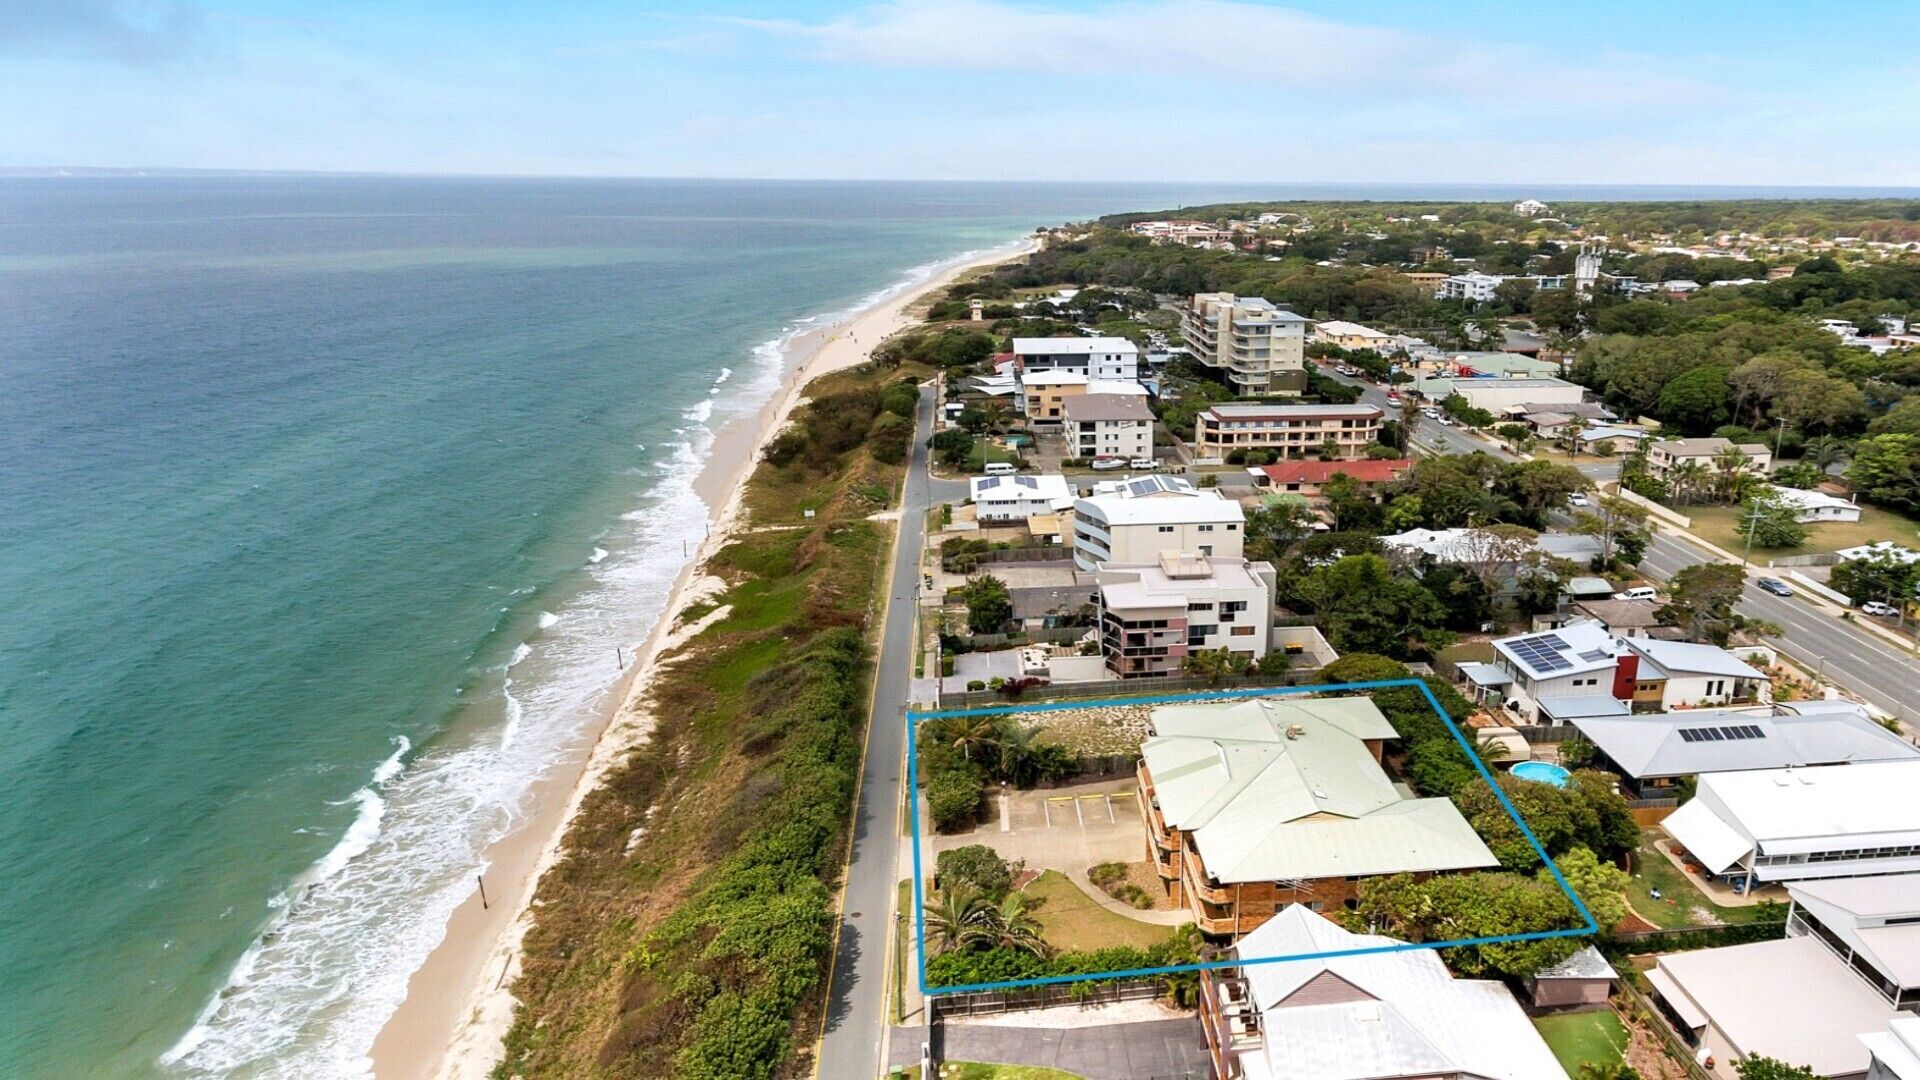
{"type": "Point", "coordinates": [1541, 772]}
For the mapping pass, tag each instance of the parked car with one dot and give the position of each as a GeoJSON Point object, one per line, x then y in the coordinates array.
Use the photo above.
{"type": "Point", "coordinates": [1105, 463]}
{"type": "Point", "coordinates": [1875, 607]}
{"type": "Point", "coordinates": [1000, 468]}
{"type": "Point", "coordinates": [1578, 498]}
{"type": "Point", "coordinates": [1775, 586]}
{"type": "Point", "coordinates": [1142, 463]}
{"type": "Point", "coordinates": [1638, 592]}
{"type": "Point", "coordinates": [1393, 397]}
{"type": "Point", "coordinates": [1430, 413]}
{"type": "Point", "coordinates": [1347, 369]}
{"type": "Point", "coordinates": [1443, 420]}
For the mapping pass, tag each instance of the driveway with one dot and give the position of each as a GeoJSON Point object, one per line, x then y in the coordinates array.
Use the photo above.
{"type": "Point", "coordinates": [1156, 1050]}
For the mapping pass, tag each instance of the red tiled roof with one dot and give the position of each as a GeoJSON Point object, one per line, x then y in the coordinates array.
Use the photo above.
{"type": "Point", "coordinates": [1364, 470]}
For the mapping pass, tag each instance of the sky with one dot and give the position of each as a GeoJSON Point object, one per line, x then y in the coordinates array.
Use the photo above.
{"type": "Point", "coordinates": [1762, 92]}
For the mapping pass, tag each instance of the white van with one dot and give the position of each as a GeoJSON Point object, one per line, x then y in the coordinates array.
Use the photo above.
{"type": "Point", "coordinates": [1141, 463]}
{"type": "Point", "coordinates": [1638, 592]}
{"type": "Point", "coordinates": [1000, 468]}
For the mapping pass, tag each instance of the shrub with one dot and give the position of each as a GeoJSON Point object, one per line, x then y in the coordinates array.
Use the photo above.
{"type": "Point", "coordinates": [953, 799]}
{"type": "Point", "coordinates": [978, 868]}
{"type": "Point", "coordinates": [1107, 873]}
{"type": "Point", "coordinates": [888, 438]}
{"type": "Point", "coordinates": [976, 684]}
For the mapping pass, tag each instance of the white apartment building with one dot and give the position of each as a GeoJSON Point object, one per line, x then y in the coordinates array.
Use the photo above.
{"type": "Point", "coordinates": [1258, 348]}
{"type": "Point", "coordinates": [1108, 425]}
{"type": "Point", "coordinates": [1094, 357]}
{"type": "Point", "coordinates": [1153, 615]}
{"type": "Point", "coordinates": [1141, 518]}
{"type": "Point", "coordinates": [1530, 208]}
{"type": "Point", "coordinates": [1294, 430]}
{"type": "Point", "coordinates": [1473, 286]}
{"type": "Point", "coordinates": [1042, 395]}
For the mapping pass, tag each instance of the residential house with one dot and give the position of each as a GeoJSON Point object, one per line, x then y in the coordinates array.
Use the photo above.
{"type": "Point", "coordinates": [1388, 1013]}
{"type": "Point", "coordinates": [1350, 335]}
{"type": "Point", "coordinates": [1478, 545]}
{"type": "Point", "coordinates": [1293, 430]}
{"type": "Point", "coordinates": [1788, 999]}
{"type": "Point", "coordinates": [1307, 477]}
{"type": "Point", "coordinates": [1258, 348]}
{"type": "Point", "coordinates": [1872, 924]}
{"type": "Point", "coordinates": [1666, 455]}
{"type": "Point", "coordinates": [1112, 358]}
{"type": "Point", "coordinates": [1430, 281]}
{"type": "Point", "coordinates": [1530, 208]}
{"type": "Point", "coordinates": [1136, 520]}
{"type": "Point", "coordinates": [1824, 821]}
{"type": "Point", "coordinates": [1655, 753]}
{"type": "Point", "coordinates": [1622, 618]}
{"type": "Point", "coordinates": [1019, 497]}
{"type": "Point", "coordinates": [1883, 549]}
{"type": "Point", "coordinates": [1810, 507]}
{"type": "Point", "coordinates": [1153, 615]}
{"type": "Point", "coordinates": [1683, 675]}
{"type": "Point", "coordinates": [1255, 805]}
{"type": "Point", "coordinates": [1895, 1052]}
{"type": "Point", "coordinates": [1574, 671]}
{"type": "Point", "coordinates": [1108, 425]}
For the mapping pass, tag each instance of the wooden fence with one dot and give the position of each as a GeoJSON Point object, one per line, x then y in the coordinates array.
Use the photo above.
{"type": "Point", "coordinates": [1649, 1014]}
{"type": "Point", "coordinates": [1091, 992]}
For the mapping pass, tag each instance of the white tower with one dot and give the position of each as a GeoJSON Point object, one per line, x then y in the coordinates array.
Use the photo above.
{"type": "Point", "coordinates": [1586, 266]}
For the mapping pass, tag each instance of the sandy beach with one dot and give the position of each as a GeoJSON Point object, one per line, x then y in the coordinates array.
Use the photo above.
{"type": "Point", "coordinates": [458, 1004]}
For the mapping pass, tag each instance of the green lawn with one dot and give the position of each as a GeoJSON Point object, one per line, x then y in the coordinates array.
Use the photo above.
{"type": "Point", "coordinates": [1074, 921]}
{"type": "Point", "coordinates": [985, 452]}
{"type": "Point", "coordinates": [1716, 525]}
{"type": "Point", "coordinates": [1577, 1038]}
{"type": "Point", "coordinates": [1652, 870]}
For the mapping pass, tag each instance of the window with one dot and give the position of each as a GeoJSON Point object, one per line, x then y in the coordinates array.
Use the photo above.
{"type": "Point", "coordinates": [1206, 549]}
{"type": "Point", "coordinates": [1200, 605]}
{"type": "Point", "coordinates": [1206, 528]}
{"type": "Point", "coordinates": [1165, 529]}
{"type": "Point", "coordinates": [1243, 631]}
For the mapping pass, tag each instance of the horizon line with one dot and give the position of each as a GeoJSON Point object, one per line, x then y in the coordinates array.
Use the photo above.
{"type": "Point", "coordinates": [54, 172]}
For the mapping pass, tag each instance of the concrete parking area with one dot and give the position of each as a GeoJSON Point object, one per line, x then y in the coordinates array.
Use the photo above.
{"type": "Point", "coordinates": [1067, 828]}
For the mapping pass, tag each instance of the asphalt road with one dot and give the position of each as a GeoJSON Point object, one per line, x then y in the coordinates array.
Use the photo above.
{"type": "Point", "coordinates": [1870, 666]}
{"type": "Point", "coordinates": [857, 998]}
{"type": "Point", "coordinates": [1429, 435]}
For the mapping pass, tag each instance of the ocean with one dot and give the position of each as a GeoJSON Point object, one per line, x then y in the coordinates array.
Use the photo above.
{"type": "Point", "coordinates": [325, 503]}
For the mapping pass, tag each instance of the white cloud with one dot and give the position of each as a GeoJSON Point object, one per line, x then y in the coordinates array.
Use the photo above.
{"type": "Point", "coordinates": [1212, 39]}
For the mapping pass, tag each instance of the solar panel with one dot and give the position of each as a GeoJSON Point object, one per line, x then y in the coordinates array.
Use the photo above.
{"type": "Point", "coordinates": [1541, 652]}
{"type": "Point", "coordinates": [1722, 734]}
{"type": "Point", "coordinates": [1687, 734]}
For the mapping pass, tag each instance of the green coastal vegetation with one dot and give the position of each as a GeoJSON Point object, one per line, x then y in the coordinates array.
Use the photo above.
{"type": "Point", "coordinates": [686, 930]}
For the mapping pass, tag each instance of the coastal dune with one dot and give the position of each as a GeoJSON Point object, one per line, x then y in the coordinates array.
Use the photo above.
{"type": "Point", "coordinates": [459, 1004]}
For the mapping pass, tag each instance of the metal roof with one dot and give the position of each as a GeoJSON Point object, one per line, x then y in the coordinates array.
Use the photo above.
{"type": "Point", "coordinates": [1859, 909]}
{"type": "Point", "coordinates": [1401, 1013]}
{"type": "Point", "coordinates": [1758, 996]}
{"type": "Point", "coordinates": [1272, 790]}
{"type": "Point", "coordinates": [1690, 658]}
{"type": "Point", "coordinates": [1729, 740]}
{"type": "Point", "coordinates": [1055, 346]}
{"type": "Point", "coordinates": [1581, 706]}
{"type": "Point", "coordinates": [1585, 964]}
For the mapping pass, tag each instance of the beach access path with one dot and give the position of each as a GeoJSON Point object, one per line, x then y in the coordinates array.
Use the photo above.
{"type": "Point", "coordinates": [856, 1009]}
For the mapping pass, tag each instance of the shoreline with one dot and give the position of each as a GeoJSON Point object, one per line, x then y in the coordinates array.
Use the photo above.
{"type": "Point", "coordinates": [459, 1004]}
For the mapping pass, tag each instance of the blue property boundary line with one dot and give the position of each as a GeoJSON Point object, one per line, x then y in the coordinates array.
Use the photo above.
{"type": "Point", "coordinates": [919, 875]}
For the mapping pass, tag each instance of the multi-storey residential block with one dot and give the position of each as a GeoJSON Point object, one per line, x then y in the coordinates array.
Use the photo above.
{"type": "Point", "coordinates": [1094, 357]}
{"type": "Point", "coordinates": [1108, 425]}
{"type": "Point", "coordinates": [1152, 616]}
{"type": "Point", "coordinates": [1294, 430]}
{"type": "Point", "coordinates": [1258, 348]}
{"type": "Point", "coordinates": [1253, 805]}
{"type": "Point", "coordinates": [1138, 519]}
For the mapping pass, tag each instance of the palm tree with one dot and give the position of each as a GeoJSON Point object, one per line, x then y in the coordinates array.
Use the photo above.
{"type": "Point", "coordinates": [1011, 924]}
{"type": "Point", "coordinates": [1572, 430]}
{"type": "Point", "coordinates": [1731, 463]}
{"type": "Point", "coordinates": [973, 737]}
{"type": "Point", "coordinates": [953, 919]}
{"type": "Point", "coordinates": [1688, 480]}
{"type": "Point", "coordinates": [1825, 450]}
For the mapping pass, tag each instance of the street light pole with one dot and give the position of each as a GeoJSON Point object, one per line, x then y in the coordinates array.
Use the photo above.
{"type": "Point", "coordinates": [1753, 519]}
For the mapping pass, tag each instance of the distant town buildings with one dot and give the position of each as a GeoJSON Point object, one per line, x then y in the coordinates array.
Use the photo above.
{"type": "Point", "coordinates": [1258, 348]}
{"type": "Point", "coordinates": [1530, 208]}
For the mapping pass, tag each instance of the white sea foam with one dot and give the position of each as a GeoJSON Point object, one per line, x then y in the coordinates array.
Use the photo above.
{"type": "Point", "coordinates": [392, 767]}
{"type": "Point", "coordinates": [598, 555]}
{"type": "Point", "coordinates": [520, 652]}
{"type": "Point", "coordinates": [334, 956]}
